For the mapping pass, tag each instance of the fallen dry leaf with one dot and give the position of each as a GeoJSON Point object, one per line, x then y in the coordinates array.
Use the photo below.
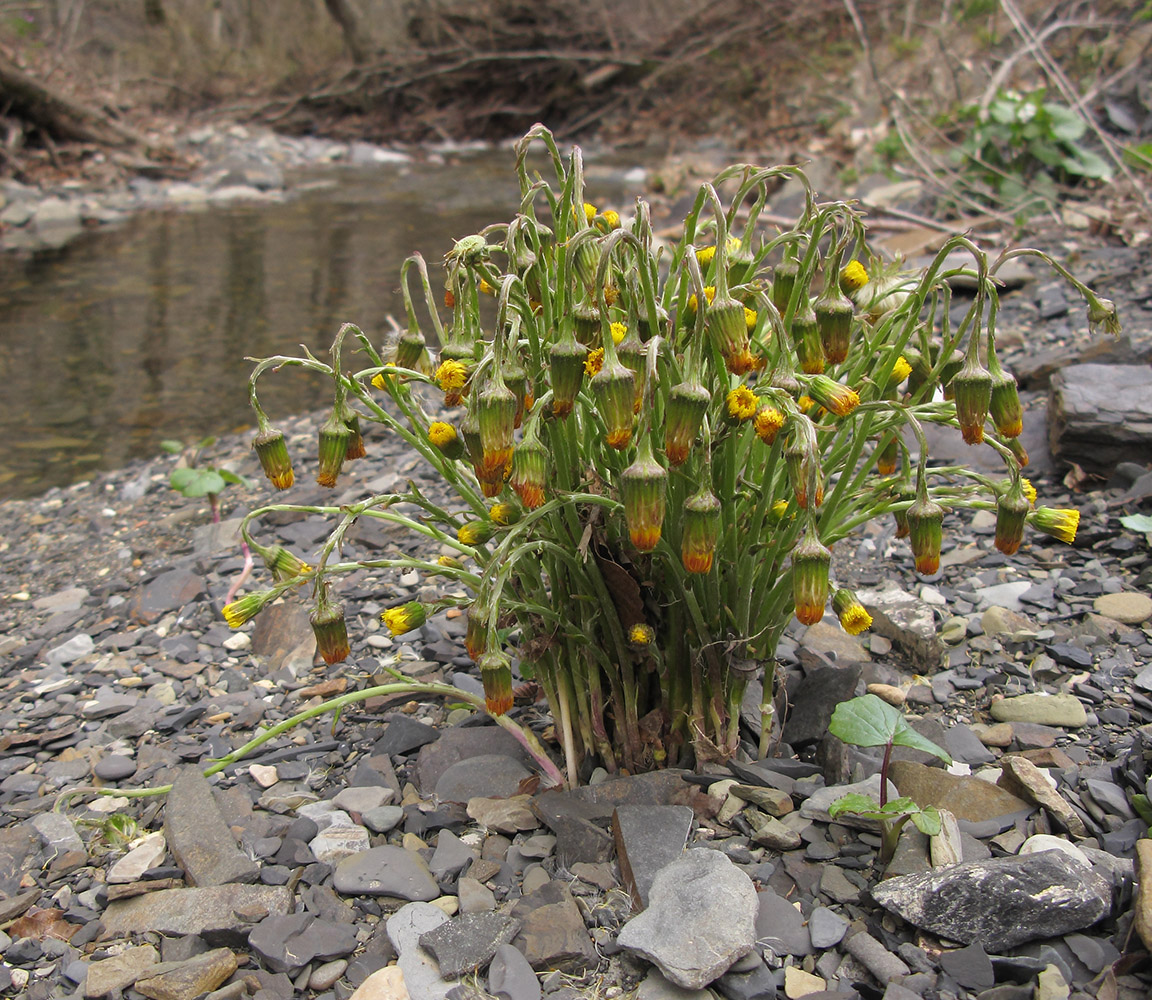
{"type": "Point", "coordinates": [39, 924]}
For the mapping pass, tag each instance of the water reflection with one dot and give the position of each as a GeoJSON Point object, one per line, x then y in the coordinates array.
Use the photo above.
{"type": "Point", "coordinates": [126, 337]}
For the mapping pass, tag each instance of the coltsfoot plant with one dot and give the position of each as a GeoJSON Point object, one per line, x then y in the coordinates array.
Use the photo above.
{"type": "Point", "coordinates": [653, 448]}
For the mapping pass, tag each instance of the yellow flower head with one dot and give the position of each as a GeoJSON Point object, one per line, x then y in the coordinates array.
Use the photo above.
{"type": "Point", "coordinates": [378, 380]}
{"type": "Point", "coordinates": [449, 562]}
{"type": "Point", "coordinates": [485, 288]}
{"type": "Point", "coordinates": [833, 395]}
{"type": "Point", "coordinates": [705, 254]}
{"type": "Point", "coordinates": [853, 276]}
{"type": "Point", "coordinates": [245, 608]}
{"type": "Point", "coordinates": [900, 370]}
{"type": "Point", "coordinates": [709, 294]}
{"type": "Point", "coordinates": [641, 635]}
{"type": "Point", "coordinates": [504, 514]}
{"type": "Point", "coordinates": [451, 376]}
{"type": "Point", "coordinates": [594, 362]}
{"type": "Point", "coordinates": [589, 212]}
{"type": "Point", "coordinates": [405, 618]}
{"type": "Point", "coordinates": [750, 319]}
{"type": "Point", "coordinates": [441, 434]}
{"type": "Point", "coordinates": [1059, 523]}
{"type": "Point", "coordinates": [742, 403]}
{"type": "Point", "coordinates": [611, 217]}
{"type": "Point", "coordinates": [768, 422]}
{"type": "Point", "coordinates": [1029, 490]}
{"type": "Point", "coordinates": [779, 509]}
{"type": "Point", "coordinates": [854, 617]}
{"type": "Point", "coordinates": [619, 332]}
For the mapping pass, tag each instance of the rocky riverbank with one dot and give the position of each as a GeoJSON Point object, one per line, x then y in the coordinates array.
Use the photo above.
{"type": "Point", "coordinates": [410, 844]}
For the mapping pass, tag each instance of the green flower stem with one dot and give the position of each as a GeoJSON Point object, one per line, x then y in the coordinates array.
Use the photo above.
{"type": "Point", "coordinates": [524, 736]}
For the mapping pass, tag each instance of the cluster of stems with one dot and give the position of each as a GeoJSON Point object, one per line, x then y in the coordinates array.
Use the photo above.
{"type": "Point", "coordinates": [652, 449]}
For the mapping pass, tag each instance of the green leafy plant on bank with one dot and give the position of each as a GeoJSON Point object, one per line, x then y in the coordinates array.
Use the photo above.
{"type": "Point", "coordinates": [1025, 145]}
{"type": "Point", "coordinates": [195, 479]}
{"type": "Point", "coordinates": [651, 448]}
{"type": "Point", "coordinates": [868, 721]}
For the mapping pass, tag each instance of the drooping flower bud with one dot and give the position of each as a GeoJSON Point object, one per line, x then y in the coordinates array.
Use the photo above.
{"type": "Point", "coordinates": [740, 263]}
{"type": "Point", "coordinates": [631, 352]}
{"type": "Point", "coordinates": [566, 362]}
{"type": "Point", "coordinates": [1057, 522]}
{"type": "Point", "coordinates": [405, 618]}
{"type": "Point", "coordinates": [283, 564]}
{"type": "Point", "coordinates": [355, 447]}
{"type": "Point", "coordinates": [832, 395]}
{"type": "Point", "coordinates": [810, 562]}
{"type": "Point", "coordinates": [516, 378]}
{"type": "Point", "coordinates": [700, 529]}
{"type": "Point", "coordinates": [475, 634]}
{"type": "Point", "coordinates": [644, 326]}
{"type": "Point", "coordinates": [496, 676]}
{"type": "Point", "coordinates": [687, 404]}
{"type": "Point", "coordinates": [496, 414]}
{"type": "Point", "coordinates": [333, 448]}
{"type": "Point", "coordinates": [642, 488]}
{"type": "Point", "coordinates": [726, 327]}
{"type": "Point", "coordinates": [926, 533]}
{"type": "Point", "coordinates": [784, 277]}
{"type": "Point", "coordinates": [854, 617]}
{"type": "Point", "coordinates": [803, 467]}
{"type": "Point", "coordinates": [972, 388]}
{"type": "Point", "coordinates": [613, 389]}
{"type": "Point", "coordinates": [948, 372]}
{"type": "Point", "coordinates": [1004, 403]}
{"type": "Point", "coordinates": [1102, 316]}
{"type": "Point", "coordinates": [272, 451]}
{"type": "Point", "coordinates": [410, 349]}
{"type": "Point", "coordinates": [834, 314]}
{"type": "Point", "coordinates": [887, 457]}
{"type": "Point", "coordinates": [1012, 509]}
{"type": "Point", "coordinates": [586, 319]}
{"type": "Point", "coordinates": [1019, 452]}
{"type": "Point", "coordinates": [530, 472]}
{"type": "Point", "coordinates": [331, 632]}
{"type": "Point", "coordinates": [806, 340]}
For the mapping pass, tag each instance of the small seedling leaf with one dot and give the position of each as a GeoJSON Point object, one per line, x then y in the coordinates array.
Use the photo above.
{"type": "Point", "coordinates": [196, 482]}
{"type": "Point", "coordinates": [171, 446]}
{"type": "Point", "coordinates": [927, 821]}
{"type": "Point", "coordinates": [1137, 522]}
{"type": "Point", "coordinates": [854, 802]}
{"type": "Point", "coordinates": [868, 721]}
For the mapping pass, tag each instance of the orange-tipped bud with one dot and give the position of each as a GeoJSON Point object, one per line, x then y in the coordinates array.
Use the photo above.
{"type": "Point", "coordinates": [331, 633]}
{"type": "Point", "coordinates": [687, 404]}
{"type": "Point", "coordinates": [642, 488]}
{"type": "Point", "coordinates": [475, 635]}
{"type": "Point", "coordinates": [1012, 509]}
{"type": "Point", "coordinates": [834, 318]}
{"type": "Point", "coordinates": [783, 281]}
{"type": "Point", "coordinates": [700, 531]}
{"type": "Point", "coordinates": [496, 416]}
{"type": "Point", "coordinates": [806, 340]}
{"type": "Point", "coordinates": [1004, 404]}
{"type": "Point", "coordinates": [810, 562]}
{"type": "Point", "coordinates": [613, 388]}
{"type": "Point", "coordinates": [333, 449]}
{"type": "Point", "coordinates": [496, 676]}
{"type": "Point", "coordinates": [887, 457]}
{"type": "Point", "coordinates": [272, 451]}
{"type": "Point", "coordinates": [410, 349]}
{"type": "Point", "coordinates": [566, 363]}
{"type": "Point", "coordinates": [972, 390]}
{"type": "Point", "coordinates": [530, 472]}
{"type": "Point", "coordinates": [355, 447]}
{"type": "Point", "coordinates": [926, 533]}
{"type": "Point", "coordinates": [830, 394]}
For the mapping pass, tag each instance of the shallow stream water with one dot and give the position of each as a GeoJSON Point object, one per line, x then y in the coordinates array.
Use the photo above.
{"type": "Point", "coordinates": [128, 336]}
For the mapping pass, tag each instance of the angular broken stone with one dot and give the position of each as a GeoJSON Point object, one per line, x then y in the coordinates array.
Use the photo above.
{"type": "Point", "coordinates": [647, 839]}
{"type": "Point", "coordinates": [701, 918]}
{"type": "Point", "coordinates": [180, 980]}
{"type": "Point", "coordinates": [224, 913]}
{"type": "Point", "coordinates": [906, 621]}
{"type": "Point", "coordinates": [1023, 778]}
{"type": "Point", "coordinates": [964, 796]}
{"type": "Point", "coordinates": [1002, 902]}
{"type": "Point", "coordinates": [120, 971]}
{"type": "Point", "coordinates": [467, 942]}
{"type": "Point", "coordinates": [198, 836]}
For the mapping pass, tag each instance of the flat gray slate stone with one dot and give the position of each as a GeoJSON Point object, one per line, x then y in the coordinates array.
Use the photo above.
{"type": "Point", "coordinates": [701, 918]}
{"type": "Point", "coordinates": [1000, 903]}
{"type": "Point", "coordinates": [198, 836]}
{"type": "Point", "coordinates": [385, 871]}
{"type": "Point", "coordinates": [647, 839]}
{"type": "Point", "coordinates": [489, 775]}
{"type": "Point", "coordinates": [224, 913]}
{"type": "Point", "coordinates": [467, 942]}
